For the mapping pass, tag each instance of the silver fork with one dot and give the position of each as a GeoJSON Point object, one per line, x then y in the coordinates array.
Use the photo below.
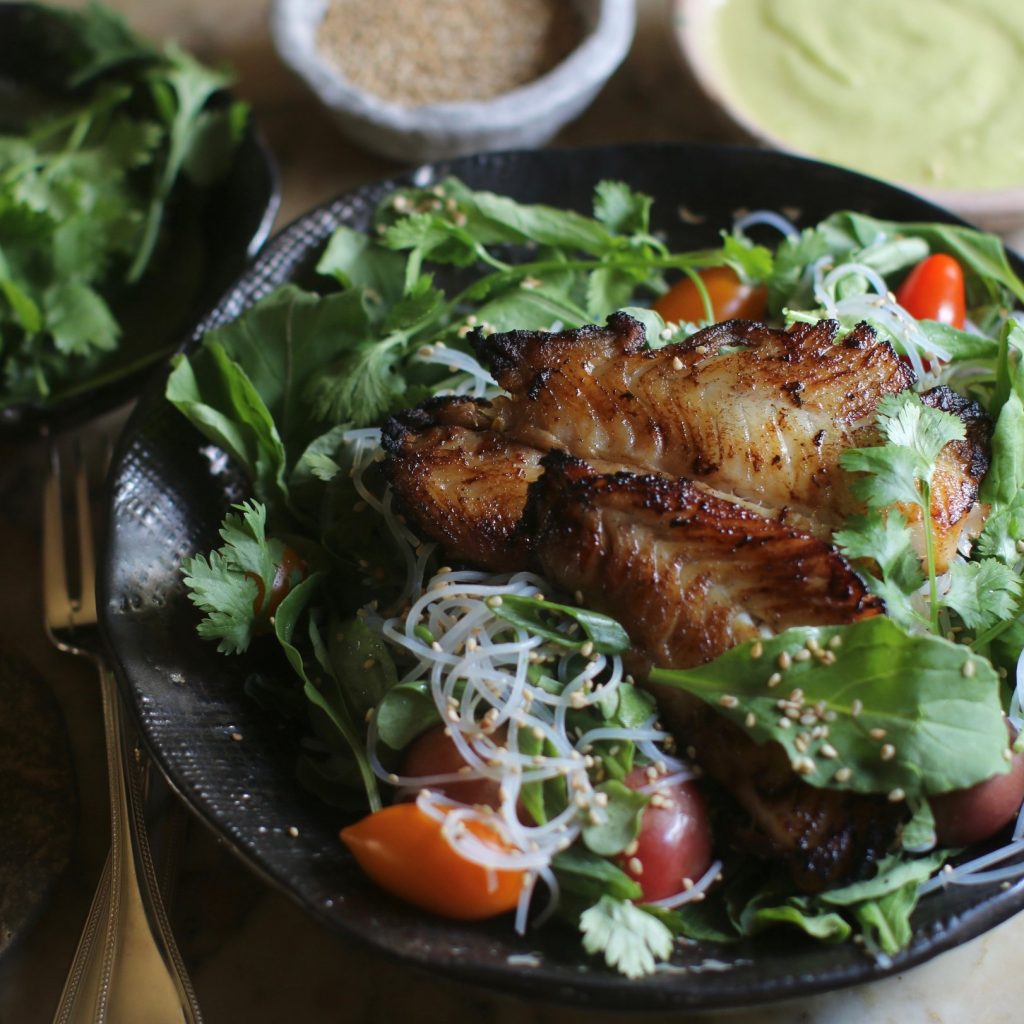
{"type": "Point", "coordinates": [127, 968]}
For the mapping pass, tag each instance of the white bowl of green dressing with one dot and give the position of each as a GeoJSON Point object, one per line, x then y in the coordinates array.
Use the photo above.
{"type": "Point", "coordinates": [923, 93]}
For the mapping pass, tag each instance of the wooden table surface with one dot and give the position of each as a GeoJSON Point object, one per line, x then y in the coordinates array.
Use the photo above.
{"type": "Point", "coordinates": [255, 957]}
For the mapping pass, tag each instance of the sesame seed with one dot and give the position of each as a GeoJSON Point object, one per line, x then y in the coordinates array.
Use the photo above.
{"type": "Point", "coordinates": [888, 752]}
{"type": "Point", "coordinates": [688, 884]}
{"type": "Point", "coordinates": [237, 736]}
{"type": "Point", "coordinates": [636, 866]}
{"type": "Point", "coordinates": [896, 795]}
{"type": "Point", "coordinates": [802, 655]}
{"type": "Point", "coordinates": [494, 601]}
{"type": "Point", "coordinates": [630, 850]}
{"type": "Point", "coordinates": [856, 708]}
{"type": "Point", "coordinates": [808, 719]}
{"type": "Point", "coordinates": [756, 649]}
{"type": "Point", "coordinates": [968, 669]}
{"type": "Point", "coordinates": [796, 695]}
{"type": "Point", "coordinates": [727, 700]}
{"type": "Point", "coordinates": [587, 648]}
{"type": "Point", "coordinates": [835, 641]}
{"type": "Point", "coordinates": [751, 720]}
{"type": "Point", "coordinates": [801, 744]}
{"type": "Point", "coordinates": [774, 679]}
{"type": "Point", "coordinates": [677, 363]}
{"type": "Point", "coordinates": [1007, 755]}
{"type": "Point", "coordinates": [293, 831]}
{"type": "Point", "coordinates": [877, 734]}
{"type": "Point", "coordinates": [827, 750]}
{"type": "Point", "coordinates": [369, 663]}
{"type": "Point", "coordinates": [805, 766]}
{"type": "Point", "coordinates": [436, 646]}
{"type": "Point", "coordinates": [826, 657]}
{"type": "Point", "coordinates": [784, 723]}
{"type": "Point", "coordinates": [784, 661]}
{"type": "Point", "coordinates": [393, 779]}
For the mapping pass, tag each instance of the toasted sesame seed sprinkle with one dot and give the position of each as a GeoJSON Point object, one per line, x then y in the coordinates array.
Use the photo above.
{"type": "Point", "coordinates": [293, 831]}
{"type": "Point", "coordinates": [751, 720]}
{"type": "Point", "coordinates": [843, 774]}
{"type": "Point", "coordinates": [802, 655]}
{"type": "Point", "coordinates": [237, 737]}
{"type": "Point", "coordinates": [756, 649]}
{"type": "Point", "coordinates": [784, 723]}
{"type": "Point", "coordinates": [677, 363]}
{"type": "Point", "coordinates": [856, 708]}
{"type": "Point", "coordinates": [727, 700]}
{"type": "Point", "coordinates": [688, 884]}
{"type": "Point", "coordinates": [636, 866]}
{"type": "Point", "coordinates": [877, 734]}
{"type": "Point", "coordinates": [774, 679]}
{"type": "Point", "coordinates": [968, 669]}
{"type": "Point", "coordinates": [494, 601]}
{"type": "Point", "coordinates": [784, 661]}
{"type": "Point", "coordinates": [888, 752]}
{"type": "Point", "coordinates": [827, 750]}
{"type": "Point", "coordinates": [835, 641]}
{"type": "Point", "coordinates": [896, 795]}
{"type": "Point", "coordinates": [587, 648]}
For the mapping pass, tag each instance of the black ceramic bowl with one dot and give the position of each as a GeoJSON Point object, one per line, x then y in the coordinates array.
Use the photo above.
{"type": "Point", "coordinates": [170, 490]}
{"type": "Point", "coordinates": [208, 238]}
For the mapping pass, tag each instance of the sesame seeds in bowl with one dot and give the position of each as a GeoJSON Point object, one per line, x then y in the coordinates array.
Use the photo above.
{"type": "Point", "coordinates": [418, 80]}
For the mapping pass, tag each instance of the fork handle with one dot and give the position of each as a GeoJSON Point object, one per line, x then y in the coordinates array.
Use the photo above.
{"type": "Point", "coordinates": [127, 968]}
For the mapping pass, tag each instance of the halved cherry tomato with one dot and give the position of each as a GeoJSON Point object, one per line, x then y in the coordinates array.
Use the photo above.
{"type": "Point", "coordinates": [435, 753]}
{"type": "Point", "coordinates": [968, 816]}
{"type": "Point", "coordinates": [674, 841]}
{"type": "Point", "coordinates": [290, 571]}
{"type": "Point", "coordinates": [403, 849]}
{"type": "Point", "coordinates": [731, 298]}
{"type": "Point", "coordinates": [934, 290]}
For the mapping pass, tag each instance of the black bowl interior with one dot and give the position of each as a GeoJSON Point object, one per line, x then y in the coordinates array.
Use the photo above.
{"type": "Point", "coordinates": [169, 490]}
{"type": "Point", "coordinates": [208, 238]}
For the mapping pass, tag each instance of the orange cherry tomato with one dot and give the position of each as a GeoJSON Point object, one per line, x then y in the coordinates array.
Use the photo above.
{"type": "Point", "coordinates": [731, 298]}
{"type": "Point", "coordinates": [403, 849]}
{"type": "Point", "coordinates": [290, 571]}
{"type": "Point", "coordinates": [934, 290]}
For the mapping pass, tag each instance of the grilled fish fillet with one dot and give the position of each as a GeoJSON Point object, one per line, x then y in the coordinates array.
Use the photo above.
{"type": "Point", "coordinates": [758, 413]}
{"type": "Point", "coordinates": [688, 573]}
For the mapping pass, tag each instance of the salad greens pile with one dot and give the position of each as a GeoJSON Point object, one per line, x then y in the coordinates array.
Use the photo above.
{"type": "Point", "coordinates": [86, 180]}
{"type": "Point", "coordinates": [280, 388]}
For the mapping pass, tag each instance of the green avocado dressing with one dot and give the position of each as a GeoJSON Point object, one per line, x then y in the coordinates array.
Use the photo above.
{"type": "Point", "coordinates": [925, 92]}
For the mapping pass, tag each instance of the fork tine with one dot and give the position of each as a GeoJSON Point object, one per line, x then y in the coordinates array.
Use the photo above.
{"type": "Point", "coordinates": [55, 580]}
{"type": "Point", "coordinates": [86, 603]}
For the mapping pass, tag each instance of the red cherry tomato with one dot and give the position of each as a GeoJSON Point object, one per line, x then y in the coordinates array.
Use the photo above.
{"type": "Point", "coordinates": [435, 753]}
{"type": "Point", "coordinates": [289, 572]}
{"type": "Point", "coordinates": [934, 290]}
{"type": "Point", "coordinates": [674, 841]}
{"type": "Point", "coordinates": [972, 815]}
{"type": "Point", "coordinates": [731, 298]}
{"type": "Point", "coordinates": [404, 850]}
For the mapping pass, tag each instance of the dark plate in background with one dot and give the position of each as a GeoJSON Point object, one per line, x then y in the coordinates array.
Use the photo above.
{"type": "Point", "coordinates": [170, 490]}
{"type": "Point", "coordinates": [208, 238]}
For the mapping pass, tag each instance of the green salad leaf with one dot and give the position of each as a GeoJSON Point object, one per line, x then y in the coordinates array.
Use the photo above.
{"type": "Point", "coordinates": [907, 715]}
{"type": "Point", "coordinates": [630, 939]}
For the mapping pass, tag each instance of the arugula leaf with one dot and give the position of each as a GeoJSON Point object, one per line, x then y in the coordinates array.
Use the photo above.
{"type": "Point", "coordinates": [941, 721]}
{"type": "Point", "coordinates": [329, 711]}
{"type": "Point", "coordinates": [604, 634]}
{"type": "Point", "coordinates": [588, 875]}
{"type": "Point", "coordinates": [630, 939]}
{"type": "Point", "coordinates": [619, 823]}
{"type": "Point", "coordinates": [216, 395]}
{"type": "Point", "coordinates": [406, 711]}
{"type": "Point", "coordinates": [224, 585]}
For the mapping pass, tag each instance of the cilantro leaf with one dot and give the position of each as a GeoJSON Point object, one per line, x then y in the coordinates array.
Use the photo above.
{"type": "Point", "coordinates": [622, 210]}
{"type": "Point", "coordinates": [224, 585]}
{"type": "Point", "coordinates": [982, 593]}
{"type": "Point", "coordinates": [630, 939]}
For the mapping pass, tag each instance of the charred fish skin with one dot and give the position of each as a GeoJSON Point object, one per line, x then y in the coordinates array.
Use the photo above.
{"type": "Point", "coordinates": [460, 484]}
{"type": "Point", "coordinates": [797, 399]}
{"type": "Point", "coordinates": [694, 574]}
